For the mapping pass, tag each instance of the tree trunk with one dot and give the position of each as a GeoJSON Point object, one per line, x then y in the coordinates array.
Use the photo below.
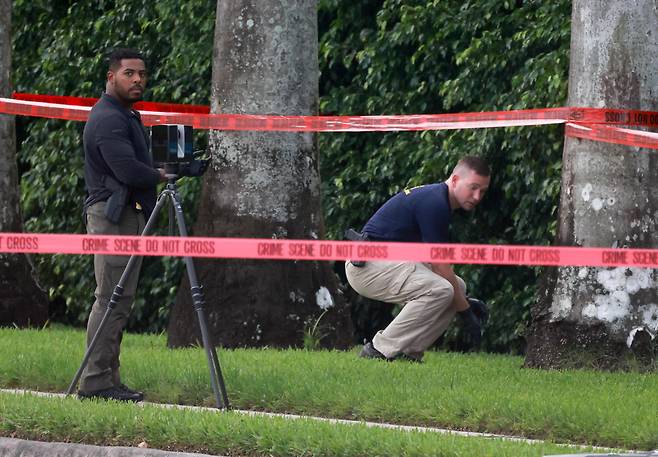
{"type": "Point", "coordinates": [605, 317]}
{"type": "Point", "coordinates": [265, 185]}
{"type": "Point", "coordinates": [22, 302]}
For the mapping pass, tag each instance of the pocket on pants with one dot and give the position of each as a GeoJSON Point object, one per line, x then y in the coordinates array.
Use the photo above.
{"type": "Point", "coordinates": [400, 275]}
{"type": "Point", "coordinates": [97, 224]}
{"type": "Point", "coordinates": [381, 280]}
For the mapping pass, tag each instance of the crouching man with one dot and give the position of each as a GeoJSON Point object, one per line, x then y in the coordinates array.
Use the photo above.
{"type": "Point", "coordinates": [431, 293]}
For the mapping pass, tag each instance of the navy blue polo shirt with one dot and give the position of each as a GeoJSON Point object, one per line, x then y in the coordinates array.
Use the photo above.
{"type": "Point", "coordinates": [420, 214]}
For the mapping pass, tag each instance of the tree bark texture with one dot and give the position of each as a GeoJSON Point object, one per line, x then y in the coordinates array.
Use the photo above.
{"type": "Point", "coordinates": [605, 317]}
{"type": "Point", "coordinates": [264, 185]}
{"type": "Point", "coordinates": [22, 302]}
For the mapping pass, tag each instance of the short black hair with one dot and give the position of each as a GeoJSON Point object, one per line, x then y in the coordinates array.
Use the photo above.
{"type": "Point", "coordinates": [115, 57]}
{"type": "Point", "coordinates": [475, 163]}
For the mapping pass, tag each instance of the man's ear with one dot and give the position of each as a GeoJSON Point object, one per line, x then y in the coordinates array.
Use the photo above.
{"type": "Point", "coordinates": [110, 76]}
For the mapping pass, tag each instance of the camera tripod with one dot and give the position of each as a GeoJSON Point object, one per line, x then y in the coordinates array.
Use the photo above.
{"type": "Point", "coordinates": [170, 194]}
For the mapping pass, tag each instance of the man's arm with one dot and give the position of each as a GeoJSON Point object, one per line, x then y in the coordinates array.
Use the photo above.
{"type": "Point", "coordinates": [471, 322]}
{"type": "Point", "coordinates": [119, 153]}
{"type": "Point", "coordinates": [445, 270]}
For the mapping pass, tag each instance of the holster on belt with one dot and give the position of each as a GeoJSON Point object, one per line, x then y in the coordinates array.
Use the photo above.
{"type": "Point", "coordinates": [353, 235]}
{"type": "Point", "coordinates": [117, 201]}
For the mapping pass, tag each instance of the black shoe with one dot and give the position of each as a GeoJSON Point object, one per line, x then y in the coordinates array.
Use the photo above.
{"type": "Point", "coordinates": [112, 393]}
{"type": "Point", "coordinates": [369, 352]}
{"type": "Point", "coordinates": [139, 396]}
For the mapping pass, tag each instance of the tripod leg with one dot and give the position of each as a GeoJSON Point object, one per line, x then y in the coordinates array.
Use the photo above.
{"type": "Point", "coordinates": [216, 378]}
{"type": "Point", "coordinates": [114, 299]}
{"type": "Point", "coordinates": [172, 219]}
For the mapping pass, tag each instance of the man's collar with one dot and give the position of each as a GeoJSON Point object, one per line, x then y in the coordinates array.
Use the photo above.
{"type": "Point", "coordinates": [130, 111]}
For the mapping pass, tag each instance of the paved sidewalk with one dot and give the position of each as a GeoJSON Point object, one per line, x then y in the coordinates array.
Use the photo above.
{"type": "Point", "coordinates": [11, 447]}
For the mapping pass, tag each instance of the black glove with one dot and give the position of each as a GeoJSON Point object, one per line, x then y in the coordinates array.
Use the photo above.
{"type": "Point", "coordinates": [472, 327]}
{"type": "Point", "coordinates": [196, 167]}
{"type": "Point", "coordinates": [480, 309]}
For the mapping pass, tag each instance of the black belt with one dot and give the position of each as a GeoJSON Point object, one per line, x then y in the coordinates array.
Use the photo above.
{"type": "Point", "coordinates": [353, 235]}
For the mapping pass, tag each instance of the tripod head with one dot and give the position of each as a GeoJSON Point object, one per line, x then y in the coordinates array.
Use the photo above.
{"type": "Point", "coordinates": [172, 171]}
{"type": "Point", "coordinates": [194, 168]}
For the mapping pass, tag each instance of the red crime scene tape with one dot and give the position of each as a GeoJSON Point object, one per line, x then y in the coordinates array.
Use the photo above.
{"type": "Point", "coordinates": [90, 101]}
{"type": "Point", "coordinates": [197, 117]}
{"type": "Point", "coordinates": [277, 249]}
{"type": "Point", "coordinates": [580, 115]}
{"type": "Point", "coordinates": [636, 138]}
{"type": "Point", "coordinates": [584, 123]}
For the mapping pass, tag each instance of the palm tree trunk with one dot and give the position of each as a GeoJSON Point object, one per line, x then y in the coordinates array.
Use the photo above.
{"type": "Point", "coordinates": [605, 317]}
{"type": "Point", "coordinates": [264, 184]}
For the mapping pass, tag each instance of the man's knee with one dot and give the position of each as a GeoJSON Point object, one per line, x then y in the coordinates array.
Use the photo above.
{"type": "Point", "coordinates": [442, 292]}
{"type": "Point", "coordinates": [462, 284]}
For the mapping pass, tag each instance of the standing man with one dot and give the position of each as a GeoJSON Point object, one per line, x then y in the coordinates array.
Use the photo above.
{"type": "Point", "coordinates": [121, 192]}
{"type": "Point", "coordinates": [431, 294]}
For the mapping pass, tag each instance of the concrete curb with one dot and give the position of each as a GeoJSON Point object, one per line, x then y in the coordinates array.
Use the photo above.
{"type": "Point", "coordinates": [406, 428]}
{"type": "Point", "coordinates": [12, 447]}
{"type": "Point", "coordinates": [647, 454]}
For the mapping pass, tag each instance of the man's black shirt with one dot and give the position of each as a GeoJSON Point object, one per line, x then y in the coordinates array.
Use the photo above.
{"type": "Point", "coordinates": [116, 145]}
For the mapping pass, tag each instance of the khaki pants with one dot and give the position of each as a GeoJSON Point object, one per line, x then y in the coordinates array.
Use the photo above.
{"type": "Point", "coordinates": [102, 371]}
{"type": "Point", "coordinates": [426, 298]}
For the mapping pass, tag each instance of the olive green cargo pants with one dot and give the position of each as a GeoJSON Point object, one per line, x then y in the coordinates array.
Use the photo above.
{"type": "Point", "coordinates": [102, 371]}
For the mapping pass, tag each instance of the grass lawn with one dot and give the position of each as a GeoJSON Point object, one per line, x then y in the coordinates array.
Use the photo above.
{"type": "Point", "coordinates": [476, 392]}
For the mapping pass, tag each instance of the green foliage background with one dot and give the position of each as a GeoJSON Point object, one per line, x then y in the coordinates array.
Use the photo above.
{"type": "Point", "coordinates": [59, 49]}
{"type": "Point", "coordinates": [376, 57]}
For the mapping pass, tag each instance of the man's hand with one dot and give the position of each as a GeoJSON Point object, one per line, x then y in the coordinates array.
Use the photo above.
{"type": "Point", "coordinates": [472, 327]}
{"type": "Point", "coordinates": [163, 174]}
{"type": "Point", "coordinates": [194, 168]}
{"type": "Point", "coordinates": [480, 309]}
